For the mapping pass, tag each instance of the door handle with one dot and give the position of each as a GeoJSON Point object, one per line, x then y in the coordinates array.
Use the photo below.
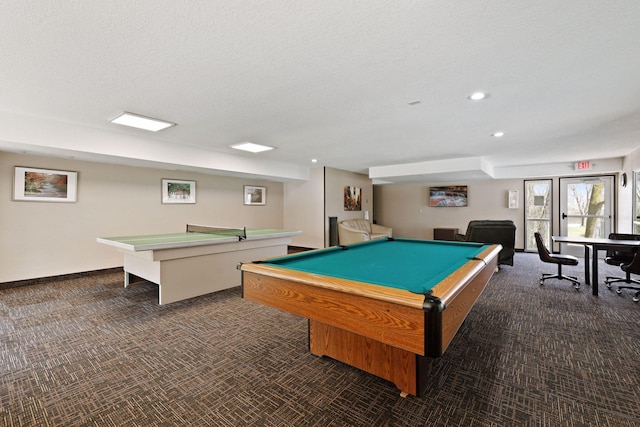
{"type": "Point", "coordinates": [564, 215]}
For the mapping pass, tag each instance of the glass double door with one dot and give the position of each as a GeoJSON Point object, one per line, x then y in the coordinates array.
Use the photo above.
{"type": "Point", "coordinates": [586, 209]}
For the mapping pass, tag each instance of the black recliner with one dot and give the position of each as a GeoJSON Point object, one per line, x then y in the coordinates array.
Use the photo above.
{"type": "Point", "coordinates": [491, 231]}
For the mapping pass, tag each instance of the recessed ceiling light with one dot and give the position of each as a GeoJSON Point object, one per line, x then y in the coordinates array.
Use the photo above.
{"type": "Point", "coordinates": [250, 146]}
{"type": "Point", "coordinates": [314, 160]}
{"type": "Point", "coordinates": [141, 122]}
{"type": "Point", "coordinates": [498, 134]}
{"type": "Point", "coordinates": [477, 96]}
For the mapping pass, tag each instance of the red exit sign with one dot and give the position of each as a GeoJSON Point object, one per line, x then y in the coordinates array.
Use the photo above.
{"type": "Point", "coordinates": [583, 166]}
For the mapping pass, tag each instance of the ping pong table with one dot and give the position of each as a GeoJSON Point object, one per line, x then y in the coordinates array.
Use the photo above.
{"type": "Point", "coordinates": [190, 264]}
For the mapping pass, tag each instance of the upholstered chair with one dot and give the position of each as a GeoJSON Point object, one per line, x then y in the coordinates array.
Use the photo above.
{"type": "Point", "coordinates": [360, 230]}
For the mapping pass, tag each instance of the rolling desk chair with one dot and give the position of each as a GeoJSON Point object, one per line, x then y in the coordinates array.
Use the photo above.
{"type": "Point", "coordinates": [619, 257]}
{"type": "Point", "coordinates": [631, 268]}
{"type": "Point", "coordinates": [560, 260]}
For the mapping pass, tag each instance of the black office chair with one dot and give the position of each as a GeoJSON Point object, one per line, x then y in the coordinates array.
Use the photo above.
{"type": "Point", "coordinates": [558, 259]}
{"type": "Point", "coordinates": [619, 257]}
{"type": "Point", "coordinates": [631, 268]}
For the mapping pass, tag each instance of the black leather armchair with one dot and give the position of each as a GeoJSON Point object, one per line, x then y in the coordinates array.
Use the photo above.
{"type": "Point", "coordinates": [501, 232]}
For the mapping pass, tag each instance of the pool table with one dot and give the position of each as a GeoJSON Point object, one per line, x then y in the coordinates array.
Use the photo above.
{"type": "Point", "coordinates": [382, 306]}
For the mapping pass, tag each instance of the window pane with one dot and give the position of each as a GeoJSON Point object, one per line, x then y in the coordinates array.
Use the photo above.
{"type": "Point", "coordinates": [537, 212]}
{"type": "Point", "coordinates": [542, 227]}
{"type": "Point", "coordinates": [636, 191]}
{"type": "Point", "coordinates": [584, 201]}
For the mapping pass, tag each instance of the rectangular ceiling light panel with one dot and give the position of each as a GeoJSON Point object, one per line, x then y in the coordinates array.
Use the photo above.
{"type": "Point", "coordinates": [141, 122]}
{"type": "Point", "coordinates": [250, 146]}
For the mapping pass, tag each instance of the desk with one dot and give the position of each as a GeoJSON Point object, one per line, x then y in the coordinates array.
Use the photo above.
{"type": "Point", "coordinates": [380, 306]}
{"type": "Point", "coordinates": [186, 265]}
{"type": "Point", "coordinates": [595, 244]}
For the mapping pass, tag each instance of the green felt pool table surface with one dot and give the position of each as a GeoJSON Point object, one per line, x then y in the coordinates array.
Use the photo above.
{"type": "Point", "coordinates": [413, 265]}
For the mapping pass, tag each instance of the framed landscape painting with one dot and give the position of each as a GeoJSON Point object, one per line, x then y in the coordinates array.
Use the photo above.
{"type": "Point", "coordinates": [44, 185]}
{"type": "Point", "coordinates": [178, 191]}
{"type": "Point", "coordinates": [255, 195]}
{"type": "Point", "coordinates": [449, 196]}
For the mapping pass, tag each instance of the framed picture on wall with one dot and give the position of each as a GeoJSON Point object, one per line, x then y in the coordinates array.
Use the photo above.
{"type": "Point", "coordinates": [449, 196]}
{"type": "Point", "coordinates": [178, 191]}
{"type": "Point", "coordinates": [352, 198]}
{"type": "Point", "coordinates": [44, 185]}
{"type": "Point", "coordinates": [255, 196]}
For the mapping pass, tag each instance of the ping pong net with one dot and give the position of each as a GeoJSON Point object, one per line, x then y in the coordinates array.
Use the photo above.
{"type": "Point", "coordinates": [240, 233]}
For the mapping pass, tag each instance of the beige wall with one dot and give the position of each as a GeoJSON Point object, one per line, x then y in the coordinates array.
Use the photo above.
{"type": "Point", "coordinates": [304, 209]}
{"type": "Point", "coordinates": [42, 239]}
{"type": "Point", "coordinates": [335, 181]}
{"type": "Point", "coordinates": [309, 204]}
{"type": "Point", "coordinates": [405, 207]}
{"type": "Point", "coordinates": [45, 239]}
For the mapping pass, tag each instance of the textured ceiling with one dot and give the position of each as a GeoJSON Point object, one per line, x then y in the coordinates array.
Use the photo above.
{"type": "Point", "coordinates": [330, 80]}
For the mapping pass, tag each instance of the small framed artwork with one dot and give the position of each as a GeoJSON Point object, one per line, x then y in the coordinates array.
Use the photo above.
{"type": "Point", "coordinates": [178, 191]}
{"type": "Point", "coordinates": [513, 199]}
{"type": "Point", "coordinates": [449, 196]}
{"type": "Point", "coordinates": [352, 198]}
{"type": "Point", "coordinates": [255, 196]}
{"type": "Point", "coordinates": [44, 185]}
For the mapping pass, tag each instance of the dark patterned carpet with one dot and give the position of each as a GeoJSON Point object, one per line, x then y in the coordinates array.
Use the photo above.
{"type": "Point", "coordinates": [87, 352]}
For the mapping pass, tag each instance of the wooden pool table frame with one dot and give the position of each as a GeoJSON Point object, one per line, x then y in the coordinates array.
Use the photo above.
{"type": "Point", "coordinates": [385, 331]}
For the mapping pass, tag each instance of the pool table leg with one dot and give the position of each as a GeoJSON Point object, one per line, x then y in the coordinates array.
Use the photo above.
{"type": "Point", "coordinates": [390, 363]}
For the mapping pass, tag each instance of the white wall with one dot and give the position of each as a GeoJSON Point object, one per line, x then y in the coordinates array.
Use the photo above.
{"type": "Point", "coordinates": [626, 215]}
{"type": "Point", "coordinates": [42, 239]}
